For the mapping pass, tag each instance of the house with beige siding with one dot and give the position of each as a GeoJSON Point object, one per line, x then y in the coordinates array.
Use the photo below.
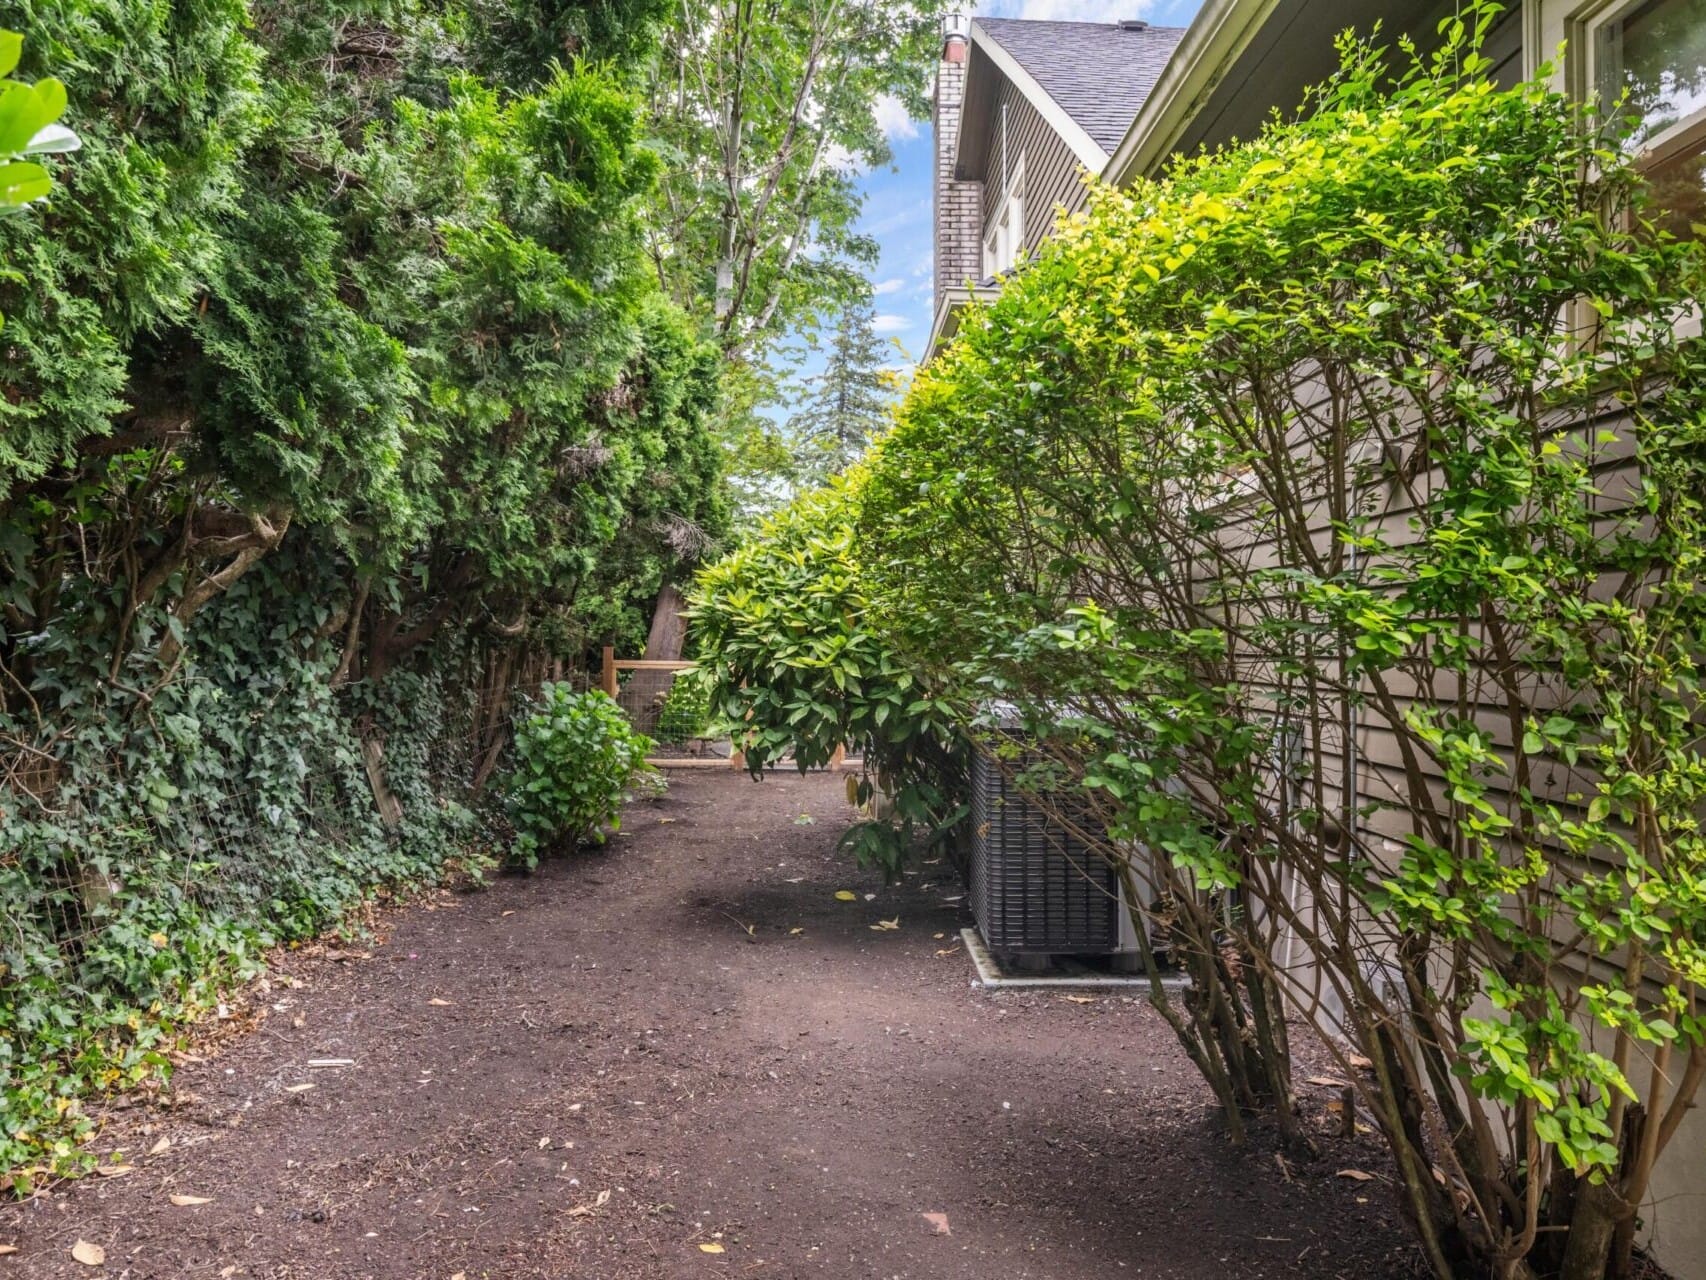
{"type": "Point", "coordinates": [1029, 113]}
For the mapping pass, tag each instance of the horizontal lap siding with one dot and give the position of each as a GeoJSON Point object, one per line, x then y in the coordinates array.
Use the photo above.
{"type": "Point", "coordinates": [1052, 170]}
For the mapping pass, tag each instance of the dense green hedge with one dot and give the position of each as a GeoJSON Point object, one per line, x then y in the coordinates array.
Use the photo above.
{"type": "Point", "coordinates": [338, 397]}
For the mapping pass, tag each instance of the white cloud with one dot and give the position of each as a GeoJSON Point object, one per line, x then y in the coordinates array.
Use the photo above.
{"type": "Point", "coordinates": [882, 287]}
{"type": "Point", "coordinates": [836, 156]}
{"type": "Point", "coordinates": [890, 324]}
{"type": "Point", "coordinates": [893, 118]}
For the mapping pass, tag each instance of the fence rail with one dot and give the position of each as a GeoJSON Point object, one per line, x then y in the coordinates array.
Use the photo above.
{"type": "Point", "coordinates": [642, 695]}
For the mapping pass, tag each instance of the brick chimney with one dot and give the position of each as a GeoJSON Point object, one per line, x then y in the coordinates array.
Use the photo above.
{"type": "Point", "coordinates": [959, 205]}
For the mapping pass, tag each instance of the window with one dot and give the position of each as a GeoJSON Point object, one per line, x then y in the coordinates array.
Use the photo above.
{"type": "Point", "coordinates": [1004, 241]}
{"type": "Point", "coordinates": [1651, 54]}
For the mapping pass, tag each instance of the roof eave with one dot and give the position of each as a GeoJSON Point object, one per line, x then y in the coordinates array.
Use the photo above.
{"type": "Point", "coordinates": [946, 322]}
{"type": "Point", "coordinates": [1218, 36]}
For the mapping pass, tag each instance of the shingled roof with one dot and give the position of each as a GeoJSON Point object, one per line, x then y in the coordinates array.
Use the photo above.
{"type": "Point", "coordinates": [1099, 73]}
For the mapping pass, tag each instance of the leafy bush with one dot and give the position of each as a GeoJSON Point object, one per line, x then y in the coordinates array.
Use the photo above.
{"type": "Point", "coordinates": [575, 755]}
{"type": "Point", "coordinates": [1348, 579]}
{"type": "Point", "coordinates": [686, 710]}
{"type": "Point", "coordinates": [799, 665]}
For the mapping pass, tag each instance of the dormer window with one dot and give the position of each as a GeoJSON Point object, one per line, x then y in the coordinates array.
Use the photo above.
{"type": "Point", "coordinates": [1004, 239]}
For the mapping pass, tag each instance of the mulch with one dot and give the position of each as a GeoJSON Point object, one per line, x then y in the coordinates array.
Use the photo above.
{"type": "Point", "coordinates": [684, 1056]}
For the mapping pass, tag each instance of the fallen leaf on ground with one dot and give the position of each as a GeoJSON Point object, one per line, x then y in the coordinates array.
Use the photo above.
{"type": "Point", "coordinates": [227, 1271]}
{"type": "Point", "coordinates": [938, 1223]}
{"type": "Point", "coordinates": [794, 933]}
{"type": "Point", "coordinates": [507, 913]}
{"type": "Point", "coordinates": [7, 1248]}
{"type": "Point", "coordinates": [938, 936]}
{"type": "Point", "coordinates": [846, 895]}
{"type": "Point", "coordinates": [160, 1146]}
{"type": "Point", "coordinates": [90, 1255]}
{"type": "Point", "coordinates": [666, 819]}
{"type": "Point", "coordinates": [1356, 1175]}
{"type": "Point", "coordinates": [1082, 999]}
{"type": "Point", "coordinates": [949, 951]}
{"type": "Point", "coordinates": [883, 925]}
{"type": "Point", "coordinates": [581, 1210]}
{"type": "Point", "coordinates": [1328, 1082]}
{"type": "Point", "coordinates": [870, 897]}
{"type": "Point", "coordinates": [460, 1275]}
{"type": "Point", "coordinates": [321, 1063]}
{"type": "Point", "coordinates": [1358, 1061]}
{"type": "Point", "coordinates": [805, 820]}
{"type": "Point", "coordinates": [442, 1004]}
{"type": "Point", "coordinates": [543, 1143]}
{"type": "Point", "coordinates": [114, 1170]}
{"type": "Point", "coordinates": [185, 1202]}
{"type": "Point", "coordinates": [710, 1248]}
{"type": "Point", "coordinates": [297, 1088]}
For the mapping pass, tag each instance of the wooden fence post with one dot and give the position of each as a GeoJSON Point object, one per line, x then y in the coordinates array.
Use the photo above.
{"type": "Point", "coordinates": [609, 681]}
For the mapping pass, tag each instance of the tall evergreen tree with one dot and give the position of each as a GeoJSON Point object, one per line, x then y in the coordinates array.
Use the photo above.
{"type": "Point", "coordinates": [849, 401]}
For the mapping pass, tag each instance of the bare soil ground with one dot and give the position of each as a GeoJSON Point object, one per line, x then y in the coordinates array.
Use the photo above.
{"type": "Point", "coordinates": [685, 1057]}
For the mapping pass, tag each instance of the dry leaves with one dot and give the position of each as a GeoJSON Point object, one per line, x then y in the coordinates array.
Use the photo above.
{"type": "Point", "coordinates": [7, 1248]}
{"type": "Point", "coordinates": [1355, 1175]}
{"type": "Point", "coordinates": [442, 1004]}
{"type": "Point", "coordinates": [1327, 1082]}
{"type": "Point", "coordinates": [711, 1248]}
{"type": "Point", "coordinates": [297, 1088]}
{"type": "Point", "coordinates": [846, 895]}
{"type": "Point", "coordinates": [185, 1202]}
{"type": "Point", "coordinates": [115, 1170]}
{"type": "Point", "coordinates": [883, 926]}
{"type": "Point", "coordinates": [581, 1210]}
{"type": "Point", "coordinates": [90, 1255]}
{"type": "Point", "coordinates": [159, 1147]}
{"type": "Point", "coordinates": [938, 1223]}
{"type": "Point", "coordinates": [1080, 999]}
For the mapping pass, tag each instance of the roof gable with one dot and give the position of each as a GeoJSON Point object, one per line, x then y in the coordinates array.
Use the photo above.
{"type": "Point", "coordinates": [1097, 73]}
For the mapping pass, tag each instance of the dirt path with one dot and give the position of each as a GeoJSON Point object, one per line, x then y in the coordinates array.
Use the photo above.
{"type": "Point", "coordinates": [624, 1073]}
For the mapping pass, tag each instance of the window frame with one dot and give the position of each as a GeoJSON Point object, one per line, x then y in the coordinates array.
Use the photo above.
{"type": "Point", "coordinates": [1584, 27]}
{"type": "Point", "coordinates": [1004, 233]}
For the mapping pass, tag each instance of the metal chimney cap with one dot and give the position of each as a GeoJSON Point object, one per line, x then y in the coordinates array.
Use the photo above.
{"type": "Point", "coordinates": [1133, 24]}
{"type": "Point", "coordinates": [956, 26]}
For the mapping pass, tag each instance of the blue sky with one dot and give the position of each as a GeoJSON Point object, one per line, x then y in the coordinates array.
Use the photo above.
{"type": "Point", "coordinates": [897, 200]}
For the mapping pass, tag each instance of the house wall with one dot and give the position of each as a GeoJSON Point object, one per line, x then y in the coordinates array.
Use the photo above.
{"type": "Point", "coordinates": [958, 205]}
{"type": "Point", "coordinates": [1052, 172]}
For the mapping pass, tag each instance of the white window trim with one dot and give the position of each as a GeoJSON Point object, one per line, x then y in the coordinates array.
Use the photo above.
{"type": "Point", "coordinates": [1009, 210]}
{"type": "Point", "coordinates": [1578, 26]}
{"type": "Point", "coordinates": [1582, 27]}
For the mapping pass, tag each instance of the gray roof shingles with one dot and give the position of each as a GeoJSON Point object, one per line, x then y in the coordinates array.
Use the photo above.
{"type": "Point", "coordinates": [1099, 73]}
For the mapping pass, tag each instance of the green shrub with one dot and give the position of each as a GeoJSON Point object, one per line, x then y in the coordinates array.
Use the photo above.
{"type": "Point", "coordinates": [800, 666]}
{"type": "Point", "coordinates": [575, 755]}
